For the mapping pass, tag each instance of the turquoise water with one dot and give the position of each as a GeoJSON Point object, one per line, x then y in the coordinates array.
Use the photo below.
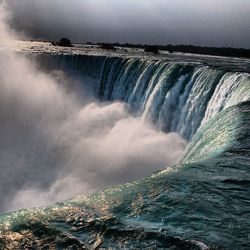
{"type": "Point", "coordinates": [203, 203]}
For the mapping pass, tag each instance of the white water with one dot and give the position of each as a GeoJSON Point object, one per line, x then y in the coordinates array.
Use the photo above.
{"type": "Point", "coordinates": [174, 97]}
{"type": "Point", "coordinates": [225, 94]}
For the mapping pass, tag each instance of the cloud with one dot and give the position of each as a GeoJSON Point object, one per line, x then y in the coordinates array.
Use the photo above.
{"type": "Point", "coordinates": [209, 22]}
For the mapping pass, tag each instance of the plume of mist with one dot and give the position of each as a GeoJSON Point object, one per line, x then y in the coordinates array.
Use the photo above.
{"type": "Point", "coordinates": [54, 146]}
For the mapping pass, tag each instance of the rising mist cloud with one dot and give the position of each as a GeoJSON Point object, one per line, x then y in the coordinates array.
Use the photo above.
{"type": "Point", "coordinates": [54, 146]}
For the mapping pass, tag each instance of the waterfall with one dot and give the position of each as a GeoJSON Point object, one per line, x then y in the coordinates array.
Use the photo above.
{"type": "Point", "coordinates": [202, 203]}
{"type": "Point", "coordinates": [175, 97]}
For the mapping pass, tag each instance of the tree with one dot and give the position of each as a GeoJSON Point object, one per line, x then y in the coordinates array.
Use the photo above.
{"type": "Point", "coordinates": [152, 49]}
{"type": "Point", "coordinates": [65, 42]}
{"type": "Point", "coordinates": [107, 46]}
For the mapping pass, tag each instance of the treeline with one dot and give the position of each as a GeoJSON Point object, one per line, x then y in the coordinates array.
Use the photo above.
{"type": "Point", "coordinates": [230, 52]}
{"type": "Point", "coordinates": [223, 51]}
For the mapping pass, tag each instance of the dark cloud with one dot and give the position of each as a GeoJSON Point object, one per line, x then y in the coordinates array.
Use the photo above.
{"type": "Point", "coordinates": [208, 22]}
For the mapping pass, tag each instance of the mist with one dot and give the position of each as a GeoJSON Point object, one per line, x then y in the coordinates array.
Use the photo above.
{"type": "Point", "coordinates": [206, 23]}
{"type": "Point", "coordinates": [55, 143]}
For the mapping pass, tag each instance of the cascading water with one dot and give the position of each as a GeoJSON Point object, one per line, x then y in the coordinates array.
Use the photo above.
{"type": "Point", "coordinates": [176, 97]}
{"type": "Point", "coordinates": [203, 203]}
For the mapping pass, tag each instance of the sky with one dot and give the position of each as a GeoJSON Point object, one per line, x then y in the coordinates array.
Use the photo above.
{"type": "Point", "coordinates": [206, 22]}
